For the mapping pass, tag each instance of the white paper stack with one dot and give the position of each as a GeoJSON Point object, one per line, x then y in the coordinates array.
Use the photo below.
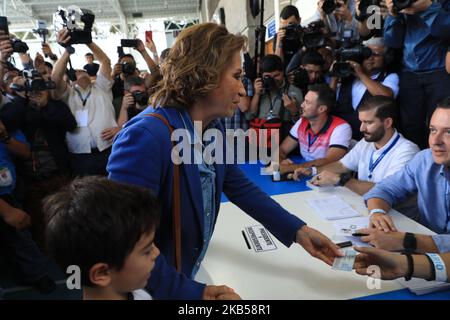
{"type": "Point", "coordinates": [421, 286]}
{"type": "Point", "coordinates": [332, 208]}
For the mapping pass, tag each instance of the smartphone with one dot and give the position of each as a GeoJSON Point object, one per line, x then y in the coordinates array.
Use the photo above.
{"type": "Point", "coordinates": [4, 25]}
{"type": "Point", "coordinates": [148, 36]}
{"type": "Point", "coordinates": [129, 43]}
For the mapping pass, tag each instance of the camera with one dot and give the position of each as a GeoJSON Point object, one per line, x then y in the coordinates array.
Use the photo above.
{"type": "Point", "coordinates": [140, 98]}
{"type": "Point", "coordinates": [33, 82]}
{"type": "Point", "coordinates": [129, 43]}
{"type": "Point", "coordinates": [402, 4]}
{"type": "Point", "coordinates": [313, 36]}
{"type": "Point", "coordinates": [358, 53]}
{"type": "Point", "coordinates": [329, 6]}
{"type": "Point", "coordinates": [293, 39]}
{"type": "Point", "coordinates": [128, 68]}
{"type": "Point", "coordinates": [364, 6]}
{"type": "Point", "coordinates": [17, 45]}
{"type": "Point", "coordinates": [269, 83]}
{"type": "Point", "coordinates": [301, 78]}
{"type": "Point", "coordinates": [67, 18]}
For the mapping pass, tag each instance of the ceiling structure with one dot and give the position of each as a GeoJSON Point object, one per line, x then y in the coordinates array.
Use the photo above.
{"type": "Point", "coordinates": [22, 14]}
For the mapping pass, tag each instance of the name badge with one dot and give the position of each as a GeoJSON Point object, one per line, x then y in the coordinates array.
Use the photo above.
{"type": "Point", "coordinates": [5, 177]}
{"type": "Point", "coordinates": [82, 118]}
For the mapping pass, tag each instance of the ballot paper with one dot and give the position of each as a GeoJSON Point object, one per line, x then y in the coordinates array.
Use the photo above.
{"type": "Point", "coordinates": [332, 208]}
{"type": "Point", "coordinates": [421, 286]}
{"type": "Point", "coordinates": [346, 262]}
{"type": "Point", "coordinates": [349, 226]}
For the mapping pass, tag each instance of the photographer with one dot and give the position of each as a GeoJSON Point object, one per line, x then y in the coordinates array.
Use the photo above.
{"type": "Point", "coordinates": [286, 47]}
{"type": "Point", "coordinates": [134, 100]}
{"type": "Point", "coordinates": [91, 67]}
{"type": "Point", "coordinates": [275, 101]}
{"type": "Point", "coordinates": [339, 17]}
{"type": "Point", "coordinates": [91, 104]}
{"type": "Point", "coordinates": [310, 71]}
{"type": "Point", "coordinates": [369, 79]}
{"type": "Point", "coordinates": [127, 67]}
{"type": "Point", "coordinates": [423, 31]}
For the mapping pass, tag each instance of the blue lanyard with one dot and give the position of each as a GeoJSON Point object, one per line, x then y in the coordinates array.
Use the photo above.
{"type": "Point", "coordinates": [84, 100]}
{"type": "Point", "coordinates": [311, 143]}
{"type": "Point", "coordinates": [373, 165]}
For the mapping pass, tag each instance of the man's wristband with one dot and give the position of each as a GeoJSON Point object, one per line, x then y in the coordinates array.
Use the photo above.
{"type": "Point", "coordinates": [440, 270]}
{"type": "Point", "coordinates": [344, 178]}
{"type": "Point", "coordinates": [410, 271]}
{"type": "Point", "coordinates": [410, 242]}
{"type": "Point", "coordinates": [313, 171]}
{"type": "Point", "coordinates": [373, 211]}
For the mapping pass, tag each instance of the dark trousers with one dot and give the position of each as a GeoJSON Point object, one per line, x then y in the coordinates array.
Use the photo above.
{"type": "Point", "coordinates": [90, 164]}
{"type": "Point", "coordinates": [418, 97]}
{"type": "Point", "coordinates": [26, 255]}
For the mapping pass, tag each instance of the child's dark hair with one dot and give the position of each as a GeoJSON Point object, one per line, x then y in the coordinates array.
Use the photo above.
{"type": "Point", "coordinates": [96, 220]}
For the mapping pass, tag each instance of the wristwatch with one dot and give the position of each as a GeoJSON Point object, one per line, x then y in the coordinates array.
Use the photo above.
{"type": "Point", "coordinates": [410, 242]}
{"type": "Point", "coordinates": [344, 178]}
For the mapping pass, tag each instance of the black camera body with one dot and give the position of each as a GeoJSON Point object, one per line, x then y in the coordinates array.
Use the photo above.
{"type": "Point", "coordinates": [77, 35]}
{"type": "Point", "coordinates": [140, 98]}
{"type": "Point", "coordinates": [313, 36]}
{"type": "Point", "coordinates": [293, 39]}
{"type": "Point", "coordinates": [329, 6]}
{"type": "Point", "coordinates": [33, 82]}
{"type": "Point", "coordinates": [358, 53]}
{"type": "Point", "coordinates": [269, 83]}
{"type": "Point", "coordinates": [128, 68]}
{"type": "Point", "coordinates": [301, 78]}
{"type": "Point", "coordinates": [19, 46]}
{"type": "Point", "coordinates": [129, 43]}
{"type": "Point", "coordinates": [402, 4]}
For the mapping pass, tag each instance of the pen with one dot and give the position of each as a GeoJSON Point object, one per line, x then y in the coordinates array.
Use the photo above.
{"type": "Point", "coordinates": [246, 240]}
{"type": "Point", "coordinates": [344, 244]}
{"type": "Point", "coordinates": [359, 235]}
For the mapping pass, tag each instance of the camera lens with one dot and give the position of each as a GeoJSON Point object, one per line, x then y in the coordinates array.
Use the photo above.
{"type": "Point", "coordinates": [329, 6]}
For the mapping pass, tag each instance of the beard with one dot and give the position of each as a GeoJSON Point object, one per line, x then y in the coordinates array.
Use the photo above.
{"type": "Point", "coordinates": [376, 136]}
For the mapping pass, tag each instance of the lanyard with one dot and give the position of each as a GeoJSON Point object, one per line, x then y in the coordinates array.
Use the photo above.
{"type": "Point", "coordinates": [311, 143]}
{"type": "Point", "coordinates": [84, 100]}
{"type": "Point", "coordinates": [373, 165]}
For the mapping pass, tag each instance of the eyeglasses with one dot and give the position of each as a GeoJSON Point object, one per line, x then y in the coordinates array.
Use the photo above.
{"type": "Point", "coordinates": [377, 54]}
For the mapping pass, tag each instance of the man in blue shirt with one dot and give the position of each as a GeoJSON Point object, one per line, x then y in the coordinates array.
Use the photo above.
{"type": "Point", "coordinates": [423, 31]}
{"type": "Point", "coordinates": [428, 173]}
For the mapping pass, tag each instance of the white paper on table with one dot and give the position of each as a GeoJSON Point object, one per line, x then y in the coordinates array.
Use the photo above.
{"type": "Point", "coordinates": [421, 286]}
{"type": "Point", "coordinates": [349, 226]}
{"type": "Point", "coordinates": [332, 208]}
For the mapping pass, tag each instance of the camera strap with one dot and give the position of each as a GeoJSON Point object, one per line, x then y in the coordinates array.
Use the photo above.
{"type": "Point", "coordinates": [85, 99]}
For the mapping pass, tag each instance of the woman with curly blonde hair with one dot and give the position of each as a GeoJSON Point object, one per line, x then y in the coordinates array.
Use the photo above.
{"type": "Point", "coordinates": [201, 83]}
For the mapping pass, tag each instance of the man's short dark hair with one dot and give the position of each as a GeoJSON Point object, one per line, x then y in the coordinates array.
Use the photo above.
{"type": "Point", "coordinates": [132, 81]}
{"type": "Point", "coordinates": [312, 57]}
{"type": "Point", "coordinates": [325, 95]}
{"type": "Point", "coordinates": [89, 54]}
{"type": "Point", "coordinates": [271, 63]}
{"type": "Point", "coordinates": [128, 55]}
{"type": "Point", "coordinates": [96, 220]}
{"type": "Point", "coordinates": [289, 11]}
{"type": "Point", "coordinates": [385, 107]}
{"type": "Point", "coordinates": [444, 104]}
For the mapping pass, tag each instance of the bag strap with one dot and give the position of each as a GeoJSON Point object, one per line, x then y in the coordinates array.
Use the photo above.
{"type": "Point", "coordinates": [176, 214]}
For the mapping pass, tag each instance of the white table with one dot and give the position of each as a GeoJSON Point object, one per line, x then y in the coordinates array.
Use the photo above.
{"type": "Point", "coordinates": [287, 273]}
